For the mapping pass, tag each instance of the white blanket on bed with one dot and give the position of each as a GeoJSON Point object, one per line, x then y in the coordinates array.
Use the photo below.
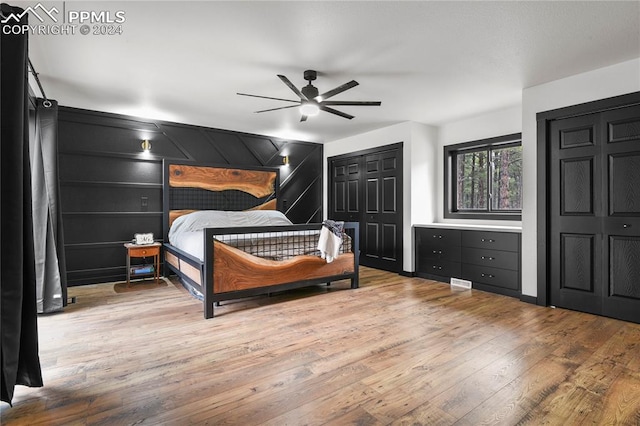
{"type": "Point", "coordinates": [186, 232]}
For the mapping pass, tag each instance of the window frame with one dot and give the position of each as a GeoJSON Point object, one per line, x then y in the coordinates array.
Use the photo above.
{"type": "Point", "coordinates": [450, 179]}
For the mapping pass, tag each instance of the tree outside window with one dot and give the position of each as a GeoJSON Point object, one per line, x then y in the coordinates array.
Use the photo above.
{"type": "Point", "coordinates": [484, 178]}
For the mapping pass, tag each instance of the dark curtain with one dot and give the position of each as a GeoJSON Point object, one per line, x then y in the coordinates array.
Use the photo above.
{"type": "Point", "coordinates": [51, 274]}
{"type": "Point", "coordinates": [19, 331]}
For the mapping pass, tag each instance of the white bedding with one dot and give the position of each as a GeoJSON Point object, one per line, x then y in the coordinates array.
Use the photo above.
{"type": "Point", "coordinates": [186, 232]}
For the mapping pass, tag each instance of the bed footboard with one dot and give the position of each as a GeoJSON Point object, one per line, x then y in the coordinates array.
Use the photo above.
{"type": "Point", "coordinates": [235, 270]}
{"type": "Point", "coordinates": [230, 273]}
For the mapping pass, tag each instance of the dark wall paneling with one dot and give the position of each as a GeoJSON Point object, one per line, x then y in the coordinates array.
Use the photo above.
{"type": "Point", "coordinates": [301, 184]}
{"type": "Point", "coordinates": [103, 227]}
{"type": "Point", "coordinates": [110, 190]}
{"type": "Point", "coordinates": [111, 196]}
{"type": "Point", "coordinates": [97, 168]}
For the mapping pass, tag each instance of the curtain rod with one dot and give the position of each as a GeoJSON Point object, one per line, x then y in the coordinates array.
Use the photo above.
{"type": "Point", "coordinates": [46, 102]}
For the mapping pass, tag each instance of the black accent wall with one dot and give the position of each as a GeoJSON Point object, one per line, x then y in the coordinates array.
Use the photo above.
{"type": "Point", "coordinates": [111, 190]}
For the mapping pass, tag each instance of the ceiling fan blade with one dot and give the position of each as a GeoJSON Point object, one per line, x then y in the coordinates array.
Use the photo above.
{"type": "Point", "coordinates": [286, 81]}
{"type": "Point", "coordinates": [358, 103]}
{"type": "Point", "coordinates": [337, 90]}
{"type": "Point", "coordinates": [275, 109]}
{"type": "Point", "coordinates": [267, 97]}
{"type": "Point", "coordinates": [336, 112]}
{"type": "Point", "coordinates": [303, 118]}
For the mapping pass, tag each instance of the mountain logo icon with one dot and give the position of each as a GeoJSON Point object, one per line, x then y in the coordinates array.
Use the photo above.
{"type": "Point", "coordinates": [38, 11]}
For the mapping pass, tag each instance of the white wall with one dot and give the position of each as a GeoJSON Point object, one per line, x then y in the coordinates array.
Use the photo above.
{"type": "Point", "coordinates": [419, 184]}
{"type": "Point", "coordinates": [602, 83]}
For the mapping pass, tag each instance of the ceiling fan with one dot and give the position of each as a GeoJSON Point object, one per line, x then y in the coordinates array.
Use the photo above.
{"type": "Point", "coordinates": [311, 101]}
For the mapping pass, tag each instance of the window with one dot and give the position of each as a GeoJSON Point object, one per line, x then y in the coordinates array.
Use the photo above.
{"type": "Point", "coordinates": [483, 179]}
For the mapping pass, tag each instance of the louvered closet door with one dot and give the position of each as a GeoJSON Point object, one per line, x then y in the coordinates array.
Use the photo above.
{"type": "Point", "coordinates": [595, 213]}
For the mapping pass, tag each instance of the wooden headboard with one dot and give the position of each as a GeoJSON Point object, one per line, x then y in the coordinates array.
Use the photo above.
{"type": "Point", "coordinates": [189, 187]}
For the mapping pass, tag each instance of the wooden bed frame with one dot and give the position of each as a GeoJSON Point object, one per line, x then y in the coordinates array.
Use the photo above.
{"type": "Point", "coordinates": [226, 272]}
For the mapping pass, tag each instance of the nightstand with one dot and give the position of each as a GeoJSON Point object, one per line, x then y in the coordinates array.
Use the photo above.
{"type": "Point", "coordinates": [146, 250]}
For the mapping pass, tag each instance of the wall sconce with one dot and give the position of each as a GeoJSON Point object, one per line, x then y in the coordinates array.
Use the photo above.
{"type": "Point", "coordinates": [146, 145]}
{"type": "Point", "coordinates": [285, 160]}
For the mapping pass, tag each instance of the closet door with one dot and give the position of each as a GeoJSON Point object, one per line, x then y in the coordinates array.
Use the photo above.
{"type": "Point", "coordinates": [576, 202]}
{"type": "Point", "coordinates": [621, 222]}
{"type": "Point", "coordinates": [346, 199]}
{"type": "Point", "coordinates": [366, 187]}
{"type": "Point", "coordinates": [382, 239]}
{"type": "Point", "coordinates": [595, 213]}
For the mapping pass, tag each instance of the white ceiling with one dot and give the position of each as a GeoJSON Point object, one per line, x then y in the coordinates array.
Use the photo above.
{"type": "Point", "coordinates": [426, 61]}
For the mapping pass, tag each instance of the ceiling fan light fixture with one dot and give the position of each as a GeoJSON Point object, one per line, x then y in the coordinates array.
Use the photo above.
{"type": "Point", "coordinates": [309, 109]}
{"type": "Point", "coordinates": [311, 101]}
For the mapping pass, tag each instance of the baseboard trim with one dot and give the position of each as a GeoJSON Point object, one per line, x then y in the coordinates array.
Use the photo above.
{"type": "Point", "coordinates": [529, 299]}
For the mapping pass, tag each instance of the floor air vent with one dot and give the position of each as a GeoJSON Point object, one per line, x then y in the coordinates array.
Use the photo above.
{"type": "Point", "coordinates": [457, 282]}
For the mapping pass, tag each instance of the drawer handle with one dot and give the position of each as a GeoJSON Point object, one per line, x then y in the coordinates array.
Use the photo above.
{"type": "Point", "coordinates": [487, 240]}
{"type": "Point", "coordinates": [486, 258]}
{"type": "Point", "coordinates": [437, 236]}
{"type": "Point", "coordinates": [487, 275]}
{"type": "Point", "coordinates": [437, 267]}
{"type": "Point", "coordinates": [437, 252]}
{"type": "Point", "coordinates": [626, 225]}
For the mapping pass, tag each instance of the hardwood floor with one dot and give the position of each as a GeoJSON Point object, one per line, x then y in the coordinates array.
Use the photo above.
{"type": "Point", "coordinates": [400, 351]}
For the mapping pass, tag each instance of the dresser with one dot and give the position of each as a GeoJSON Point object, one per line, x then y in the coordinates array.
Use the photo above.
{"type": "Point", "coordinates": [490, 259]}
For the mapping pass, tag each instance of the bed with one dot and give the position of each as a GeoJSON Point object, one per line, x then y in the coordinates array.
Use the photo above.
{"type": "Point", "coordinates": [226, 238]}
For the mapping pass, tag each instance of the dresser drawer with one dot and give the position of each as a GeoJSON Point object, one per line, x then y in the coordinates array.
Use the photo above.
{"type": "Point", "coordinates": [491, 240]}
{"type": "Point", "coordinates": [435, 237]}
{"type": "Point", "coordinates": [144, 251]}
{"type": "Point", "coordinates": [444, 268]}
{"type": "Point", "coordinates": [497, 277]}
{"type": "Point", "coordinates": [491, 258]}
{"type": "Point", "coordinates": [439, 251]}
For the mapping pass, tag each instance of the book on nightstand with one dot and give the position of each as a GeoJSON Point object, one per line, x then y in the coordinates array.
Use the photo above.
{"type": "Point", "coordinates": [142, 270]}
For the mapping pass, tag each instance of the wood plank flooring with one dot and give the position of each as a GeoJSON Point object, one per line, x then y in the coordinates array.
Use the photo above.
{"type": "Point", "coordinates": [398, 351]}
